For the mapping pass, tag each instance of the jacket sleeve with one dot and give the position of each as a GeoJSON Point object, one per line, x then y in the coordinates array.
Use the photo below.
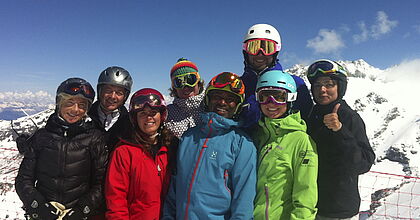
{"type": "Point", "coordinates": [117, 184]}
{"type": "Point", "coordinates": [26, 177]}
{"type": "Point", "coordinates": [357, 154]}
{"type": "Point", "coordinates": [305, 174]}
{"type": "Point", "coordinates": [99, 156]}
{"type": "Point", "coordinates": [169, 206]}
{"type": "Point", "coordinates": [304, 101]}
{"type": "Point", "coordinates": [244, 178]}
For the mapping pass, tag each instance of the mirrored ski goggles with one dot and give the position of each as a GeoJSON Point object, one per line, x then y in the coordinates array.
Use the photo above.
{"type": "Point", "coordinates": [276, 96]}
{"type": "Point", "coordinates": [77, 88]}
{"type": "Point", "coordinates": [268, 47]}
{"type": "Point", "coordinates": [152, 100]}
{"type": "Point", "coordinates": [231, 79]}
{"type": "Point", "coordinates": [187, 79]}
{"type": "Point", "coordinates": [326, 67]}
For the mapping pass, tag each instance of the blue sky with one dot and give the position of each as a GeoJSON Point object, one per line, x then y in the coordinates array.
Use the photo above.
{"type": "Point", "coordinates": [45, 42]}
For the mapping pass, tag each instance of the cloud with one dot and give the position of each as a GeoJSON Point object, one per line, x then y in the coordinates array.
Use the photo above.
{"type": "Point", "coordinates": [407, 71]}
{"type": "Point", "coordinates": [417, 28]}
{"type": "Point", "coordinates": [382, 26]}
{"type": "Point", "coordinates": [327, 41]}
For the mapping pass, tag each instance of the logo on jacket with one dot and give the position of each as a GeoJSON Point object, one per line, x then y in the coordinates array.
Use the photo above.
{"type": "Point", "coordinates": [213, 155]}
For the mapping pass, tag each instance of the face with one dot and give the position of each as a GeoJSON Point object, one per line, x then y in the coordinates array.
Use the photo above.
{"type": "Point", "coordinates": [187, 91]}
{"type": "Point", "coordinates": [223, 103]}
{"type": "Point", "coordinates": [112, 97]}
{"type": "Point", "coordinates": [260, 61]}
{"type": "Point", "coordinates": [148, 120]}
{"type": "Point", "coordinates": [325, 90]}
{"type": "Point", "coordinates": [273, 111]}
{"type": "Point", "coordinates": [73, 109]}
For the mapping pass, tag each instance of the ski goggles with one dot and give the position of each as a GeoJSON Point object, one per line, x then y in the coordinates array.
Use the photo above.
{"type": "Point", "coordinates": [325, 67]}
{"type": "Point", "coordinates": [227, 78]}
{"type": "Point", "coordinates": [152, 100]}
{"type": "Point", "coordinates": [268, 47]}
{"type": "Point", "coordinates": [276, 96]}
{"type": "Point", "coordinates": [187, 79]}
{"type": "Point", "coordinates": [77, 88]}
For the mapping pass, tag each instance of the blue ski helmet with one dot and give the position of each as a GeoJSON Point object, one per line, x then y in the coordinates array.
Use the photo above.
{"type": "Point", "coordinates": [278, 79]}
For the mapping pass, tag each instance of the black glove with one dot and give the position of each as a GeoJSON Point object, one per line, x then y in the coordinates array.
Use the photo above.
{"type": "Point", "coordinates": [77, 213]}
{"type": "Point", "coordinates": [46, 211]}
{"type": "Point", "coordinates": [22, 142]}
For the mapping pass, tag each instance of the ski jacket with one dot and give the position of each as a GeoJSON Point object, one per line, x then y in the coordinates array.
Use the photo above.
{"type": "Point", "coordinates": [64, 163]}
{"type": "Point", "coordinates": [343, 156]}
{"type": "Point", "coordinates": [117, 131]}
{"type": "Point", "coordinates": [184, 113]}
{"type": "Point", "coordinates": [251, 112]}
{"type": "Point", "coordinates": [136, 182]}
{"type": "Point", "coordinates": [287, 169]}
{"type": "Point", "coordinates": [216, 173]}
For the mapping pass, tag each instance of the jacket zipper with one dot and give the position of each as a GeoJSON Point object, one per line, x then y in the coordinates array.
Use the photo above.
{"type": "Point", "coordinates": [62, 155]}
{"type": "Point", "coordinates": [267, 201]}
{"type": "Point", "coordinates": [195, 169]}
{"type": "Point", "coordinates": [226, 177]}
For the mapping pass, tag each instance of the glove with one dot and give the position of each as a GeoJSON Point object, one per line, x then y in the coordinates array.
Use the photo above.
{"type": "Point", "coordinates": [22, 143]}
{"type": "Point", "coordinates": [46, 211]}
{"type": "Point", "coordinates": [76, 213]}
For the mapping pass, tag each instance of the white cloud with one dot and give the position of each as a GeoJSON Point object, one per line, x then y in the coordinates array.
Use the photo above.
{"type": "Point", "coordinates": [26, 97]}
{"type": "Point", "coordinates": [382, 26]}
{"type": "Point", "coordinates": [327, 41]}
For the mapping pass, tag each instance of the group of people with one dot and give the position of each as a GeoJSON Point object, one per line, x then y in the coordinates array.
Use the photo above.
{"type": "Point", "coordinates": [243, 147]}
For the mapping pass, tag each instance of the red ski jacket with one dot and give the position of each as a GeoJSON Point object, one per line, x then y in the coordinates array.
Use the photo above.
{"type": "Point", "coordinates": [136, 183]}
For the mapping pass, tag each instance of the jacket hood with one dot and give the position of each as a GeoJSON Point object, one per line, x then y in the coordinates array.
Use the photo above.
{"type": "Point", "coordinates": [56, 124]}
{"type": "Point", "coordinates": [281, 126]}
{"type": "Point", "coordinates": [218, 124]}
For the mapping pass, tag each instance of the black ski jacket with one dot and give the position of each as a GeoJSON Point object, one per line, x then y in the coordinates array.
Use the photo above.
{"type": "Point", "coordinates": [343, 156]}
{"type": "Point", "coordinates": [64, 163]}
{"type": "Point", "coordinates": [117, 131]}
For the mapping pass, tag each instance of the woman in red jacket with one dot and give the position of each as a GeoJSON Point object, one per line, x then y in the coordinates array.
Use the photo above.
{"type": "Point", "coordinates": [140, 166]}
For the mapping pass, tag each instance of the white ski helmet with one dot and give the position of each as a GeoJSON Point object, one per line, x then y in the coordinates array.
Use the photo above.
{"type": "Point", "coordinates": [263, 31]}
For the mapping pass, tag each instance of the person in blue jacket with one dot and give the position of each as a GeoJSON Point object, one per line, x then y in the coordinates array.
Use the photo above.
{"type": "Point", "coordinates": [216, 162]}
{"type": "Point", "coordinates": [261, 47]}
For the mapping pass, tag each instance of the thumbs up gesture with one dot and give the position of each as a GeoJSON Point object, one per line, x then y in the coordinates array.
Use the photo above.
{"type": "Point", "coordinates": [331, 120]}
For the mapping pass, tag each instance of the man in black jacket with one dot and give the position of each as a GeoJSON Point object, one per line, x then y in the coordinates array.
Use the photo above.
{"type": "Point", "coordinates": [344, 151]}
{"type": "Point", "coordinates": [62, 172]}
{"type": "Point", "coordinates": [108, 112]}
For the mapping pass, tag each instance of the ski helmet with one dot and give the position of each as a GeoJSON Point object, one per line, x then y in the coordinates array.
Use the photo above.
{"type": "Point", "coordinates": [265, 31]}
{"type": "Point", "coordinates": [277, 79]}
{"type": "Point", "coordinates": [75, 86]}
{"type": "Point", "coordinates": [150, 97]}
{"type": "Point", "coordinates": [331, 69]}
{"type": "Point", "coordinates": [116, 76]}
{"type": "Point", "coordinates": [229, 82]}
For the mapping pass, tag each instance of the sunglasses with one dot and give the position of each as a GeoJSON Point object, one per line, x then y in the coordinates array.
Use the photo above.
{"type": "Point", "coordinates": [325, 67]}
{"type": "Point", "coordinates": [152, 100]}
{"type": "Point", "coordinates": [254, 46]}
{"type": "Point", "coordinates": [77, 88]}
{"type": "Point", "coordinates": [231, 79]}
{"type": "Point", "coordinates": [187, 79]}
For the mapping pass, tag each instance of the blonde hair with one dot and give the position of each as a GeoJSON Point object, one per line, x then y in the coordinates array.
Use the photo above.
{"type": "Point", "coordinates": [62, 97]}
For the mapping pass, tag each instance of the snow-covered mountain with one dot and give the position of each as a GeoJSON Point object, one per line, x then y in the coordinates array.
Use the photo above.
{"type": "Point", "coordinates": [14, 104]}
{"type": "Point", "coordinates": [385, 99]}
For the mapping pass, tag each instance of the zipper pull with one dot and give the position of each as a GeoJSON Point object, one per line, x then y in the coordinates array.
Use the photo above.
{"type": "Point", "coordinates": [158, 168]}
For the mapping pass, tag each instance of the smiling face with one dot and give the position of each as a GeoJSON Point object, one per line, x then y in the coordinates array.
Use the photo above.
{"type": "Point", "coordinates": [260, 61]}
{"type": "Point", "coordinates": [73, 109]}
{"type": "Point", "coordinates": [111, 97]}
{"type": "Point", "coordinates": [223, 103]}
{"type": "Point", "coordinates": [148, 120]}
{"type": "Point", "coordinates": [325, 90]}
{"type": "Point", "coordinates": [272, 110]}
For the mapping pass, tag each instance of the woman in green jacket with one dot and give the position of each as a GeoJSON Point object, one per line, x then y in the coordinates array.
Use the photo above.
{"type": "Point", "coordinates": [287, 161]}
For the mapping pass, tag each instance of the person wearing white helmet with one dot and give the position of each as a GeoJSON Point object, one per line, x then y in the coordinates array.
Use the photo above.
{"type": "Point", "coordinates": [261, 47]}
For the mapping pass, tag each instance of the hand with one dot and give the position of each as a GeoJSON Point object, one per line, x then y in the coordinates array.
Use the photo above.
{"type": "Point", "coordinates": [46, 211]}
{"type": "Point", "coordinates": [22, 142]}
{"type": "Point", "coordinates": [75, 214]}
{"type": "Point", "coordinates": [331, 120]}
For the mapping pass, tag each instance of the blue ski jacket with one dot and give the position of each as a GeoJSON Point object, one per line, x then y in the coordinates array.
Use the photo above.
{"type": "Point", "coordinates": [251, 111]}
{"type": "Point", "coordinates": [216, 173]}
